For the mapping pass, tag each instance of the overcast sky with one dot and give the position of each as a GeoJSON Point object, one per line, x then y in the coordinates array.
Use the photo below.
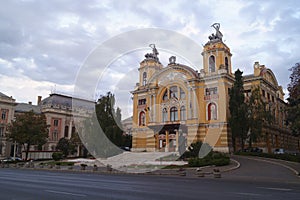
{"type": "Point", "coordinates": [43, 44]}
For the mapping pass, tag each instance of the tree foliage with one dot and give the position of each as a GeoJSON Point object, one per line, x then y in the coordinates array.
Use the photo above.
{"type": "Point", "coordinates": [294, 99]}
{"type": "Point", "coordinates": [110, 120]}
{"type": "Point", "coordinates": [238, 111]}
{"type": "Point", "coordinates": [259, 112]}
{"type": "Point", "coordinates": [248, 116]}
{"type": "Point", "coordinates": [66, 146]}
{"type": "Point", "coordinates": [29, 129]}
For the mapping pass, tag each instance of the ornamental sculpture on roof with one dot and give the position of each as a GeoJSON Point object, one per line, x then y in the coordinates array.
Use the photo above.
{"type": "Point", "coordinates": [154, 53]}
{"type": "Point", "coordinates": [218, 35]}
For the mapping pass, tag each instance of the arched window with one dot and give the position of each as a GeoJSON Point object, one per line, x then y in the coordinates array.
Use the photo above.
{"type": "Point", "coordinates": [226, 63]}
{"type": "Point", "coordinates": [182, 113]}
{"type": "Point", "coordinates": [212, 64]}
{"type": "Point", "coordinates": [164, 115]}
{"type": "Point", "coordinates": [144, 78]}
{"type": "Point", "coordinates": [165, 96]}
{"type": "Point", "coordinates": [182, 94]}
{"type": "Point", "coordinates": [142, 119]}
{"type": "Point", "coordinates": [173, 114]}
{"type": "Point", "coordinates": [212, 111]}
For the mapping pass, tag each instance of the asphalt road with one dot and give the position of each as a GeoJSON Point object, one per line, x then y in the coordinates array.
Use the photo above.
{"type": "Point", "coordinates": [18, 184]}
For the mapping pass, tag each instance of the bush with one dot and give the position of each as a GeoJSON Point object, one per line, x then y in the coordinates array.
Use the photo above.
{"type": "Point", "coordinates": [213, 158]}
{"type": "Point", "coordinates": [57, 156]}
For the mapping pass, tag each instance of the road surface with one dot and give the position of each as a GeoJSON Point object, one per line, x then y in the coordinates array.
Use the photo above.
{"type": "Point", "coordinates": [22, 184]}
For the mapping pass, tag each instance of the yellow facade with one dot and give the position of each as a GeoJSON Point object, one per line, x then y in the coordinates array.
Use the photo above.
{"type": "Point", "coordinates": [175, 105]}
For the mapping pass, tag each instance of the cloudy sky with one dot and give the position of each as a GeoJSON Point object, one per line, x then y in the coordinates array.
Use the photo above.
{"type": "Point", "coordinates": [44, 44]}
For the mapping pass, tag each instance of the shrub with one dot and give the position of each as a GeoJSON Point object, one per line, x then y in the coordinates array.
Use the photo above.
{"type": "Point", "coordinates": [213, 158]}
{"type": "Point", "coordinates": [57, 156]}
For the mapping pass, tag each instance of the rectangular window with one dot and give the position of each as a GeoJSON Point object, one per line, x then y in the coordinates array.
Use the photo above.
{"type": "Point", "coordinates": [55, 122]}
{"type": "Point", "coordinates": [1, 131]}
{"type": "Point", "coordinates": [3, 114]}
{"type": "Point", "coordinates": [54, 136]}
{"type": "Point", "coordinates": [142, 102]}
{"type": "Point", "coordinates": [211, 91]}
{"type": "Point", "coordinates": [263, 93]}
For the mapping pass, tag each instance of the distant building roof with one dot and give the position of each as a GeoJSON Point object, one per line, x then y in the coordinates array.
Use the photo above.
{"type": "Point", "coordinates": [3, 95]}
{"type": "Point", "coordinates": [66, 102]}
{"type": "Point", "coordinates": [25, 107]}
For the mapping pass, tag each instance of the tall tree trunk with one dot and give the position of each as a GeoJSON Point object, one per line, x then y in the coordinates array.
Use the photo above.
{"type": "Point", "coordinates": [27, 151]}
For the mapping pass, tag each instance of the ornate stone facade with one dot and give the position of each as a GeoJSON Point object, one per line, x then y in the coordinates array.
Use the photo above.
{"type": "Point", "coordinates": [175, 105]}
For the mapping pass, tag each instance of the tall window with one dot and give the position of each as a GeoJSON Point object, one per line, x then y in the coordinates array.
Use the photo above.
{"type": "Point", "coordinates": [226, 63]}
{"type": "Point", "coordinates": [1, 131]}
{"type": "Point", "coordinates": [212, 111]}
{"type": "Point", "coordinates": [55, 122]}
{"type": "Point", "coordinates": [164, 115]}
{"type": "Point", "coordinates": [173, 114]}
{"type": "Point", "coordinates": [66, 131]}
{"type": "Point", "coordinates": [142, 119]}
{"type": "Point", "coordinates": [182, 113]}
{"type": "Point", "coordinates": [212, 64]}
{"type": "Point", "coordinates": [3, 114]}
{"type": "Point", "coordinates": [55, 135]}
{"type": "Point", "coordinates": [144, 78]}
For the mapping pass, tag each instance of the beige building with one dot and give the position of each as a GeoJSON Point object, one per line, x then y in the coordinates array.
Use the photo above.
{"type": "Point", "coordinates": [7, 109]}
{"type": "Point", "coordinates": [175, 105]}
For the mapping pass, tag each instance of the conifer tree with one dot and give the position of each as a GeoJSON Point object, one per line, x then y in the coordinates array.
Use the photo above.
{"type": "Point", "coordinates": [110, 119]}
{"type": "Point", "coordinates": [238, 111]}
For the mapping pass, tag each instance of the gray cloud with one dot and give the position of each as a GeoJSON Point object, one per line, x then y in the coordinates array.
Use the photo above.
{"type": "Point", "coordinates": [50, 40]}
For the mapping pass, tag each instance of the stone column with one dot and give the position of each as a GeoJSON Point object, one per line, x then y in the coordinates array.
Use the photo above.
{"type": "Point", "coordinates": [177, 142]}
{"type": "Point", "coordinates": [167, 142]}
{"type": "Point", "coordinates": [189, 104]}
{"type": "Point", "coordinates": [195, 104]}
{"type": "Point", "coordinates": [154, 108]}
{"type": "Point", "coordinates": [70, 130]}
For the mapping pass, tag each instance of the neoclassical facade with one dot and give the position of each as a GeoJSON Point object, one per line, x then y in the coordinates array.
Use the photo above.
{"type": "Point", "coordinates": [175, 105]}
{"type": "Point", "coordinates": [7, 109]}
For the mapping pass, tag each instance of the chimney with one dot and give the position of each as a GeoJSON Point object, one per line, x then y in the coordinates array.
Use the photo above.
{"type": "Point", "coordinates": [39, 100]}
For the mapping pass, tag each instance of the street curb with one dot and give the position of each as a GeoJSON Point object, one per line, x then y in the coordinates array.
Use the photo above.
{"type": "Point", "coordinates": [233, 168]}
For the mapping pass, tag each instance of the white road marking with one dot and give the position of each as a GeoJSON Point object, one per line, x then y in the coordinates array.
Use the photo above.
{"type": "Point", "coordinates": [278, 189]}
{"type": "Point", "coordinates": [247, 194]}
{"type": "Point", "coordinates": [65, 193]}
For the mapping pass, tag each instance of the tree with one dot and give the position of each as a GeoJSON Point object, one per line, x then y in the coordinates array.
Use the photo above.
{"type": "Point", "coordinates": [258, 113]}
{"type": "Point", "coordinates": [110, 119]}
{"type": "Point", "coordinates": [294, 100]}
{"type": "Point", "coordinates": [76, 141]}
{"type": "Point", "coordinates": [29, 129]}
{"type": "Point", "coordinates": [238, 111]}
{"type": "Point", "coordinates": [65, 146]}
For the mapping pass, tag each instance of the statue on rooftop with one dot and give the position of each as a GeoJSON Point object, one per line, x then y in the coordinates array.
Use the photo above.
{"type": "Point", "coordinates": [154, 53]}
{"type": "Point", "coordinates": [218, 35]}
